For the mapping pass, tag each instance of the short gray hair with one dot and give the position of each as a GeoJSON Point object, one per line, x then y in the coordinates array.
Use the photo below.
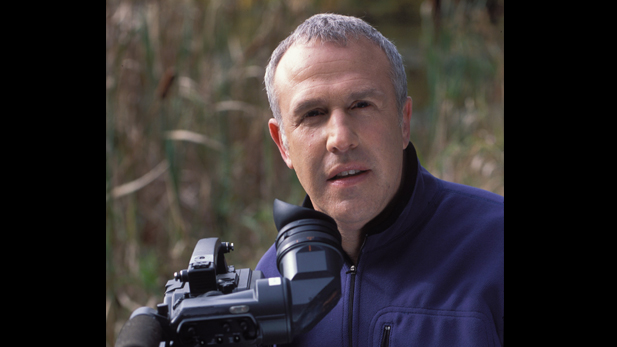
{"type": "Point", "coordinates": [336, 28]}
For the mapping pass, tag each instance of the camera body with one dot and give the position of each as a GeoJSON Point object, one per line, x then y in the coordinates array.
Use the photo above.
{"type": "Point", "coordinates": [211, 303]}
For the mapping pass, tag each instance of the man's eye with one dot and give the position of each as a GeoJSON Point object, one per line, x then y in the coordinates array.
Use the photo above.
{"type": "Point", "coordinates": [313, 113]}
{"type": "Point", "coordinates": [361, 104]}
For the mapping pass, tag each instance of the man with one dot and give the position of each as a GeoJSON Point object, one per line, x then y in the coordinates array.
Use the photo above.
{"type": "Point", "coordinates": [424, 257]}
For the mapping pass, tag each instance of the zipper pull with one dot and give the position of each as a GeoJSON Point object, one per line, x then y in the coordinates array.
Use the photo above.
{"type": "Point", "coordinates": [385, 338]}
{"type": "Point", "coordinates": [352, 270]}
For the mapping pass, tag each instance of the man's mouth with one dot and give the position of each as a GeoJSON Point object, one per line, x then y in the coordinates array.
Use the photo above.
{"type": "Point", "coordinates": [346, 174]}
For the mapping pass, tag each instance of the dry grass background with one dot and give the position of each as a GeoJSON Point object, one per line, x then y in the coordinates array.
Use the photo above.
{"type": "Point", "coordinates": [188, 154]}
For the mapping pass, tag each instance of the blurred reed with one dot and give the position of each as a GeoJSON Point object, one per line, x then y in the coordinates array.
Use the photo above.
{"type": "Point", "coordinates": [188, 153]}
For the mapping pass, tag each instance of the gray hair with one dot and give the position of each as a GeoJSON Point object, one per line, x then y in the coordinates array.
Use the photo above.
{"type": "Point", "coordinates": [336, 28]}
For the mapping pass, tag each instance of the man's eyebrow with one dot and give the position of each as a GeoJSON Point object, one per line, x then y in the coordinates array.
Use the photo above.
{"type": "Point", "coordinates": [306, 105]}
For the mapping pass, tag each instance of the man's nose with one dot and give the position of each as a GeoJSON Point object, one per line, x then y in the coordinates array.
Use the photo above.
{"type": "Point", "coordinates": [342, 134]}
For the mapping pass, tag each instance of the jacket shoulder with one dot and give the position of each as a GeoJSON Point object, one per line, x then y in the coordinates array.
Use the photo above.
{"type": "Point", "coordinates": [267, 263]}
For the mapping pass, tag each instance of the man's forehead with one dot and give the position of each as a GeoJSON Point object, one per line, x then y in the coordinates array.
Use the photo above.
{"type": "Point", "coordinates": [301, 56]}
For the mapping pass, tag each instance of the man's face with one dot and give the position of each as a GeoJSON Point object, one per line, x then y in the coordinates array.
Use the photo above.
{"type": "Point", "coordinates": [340, 117]}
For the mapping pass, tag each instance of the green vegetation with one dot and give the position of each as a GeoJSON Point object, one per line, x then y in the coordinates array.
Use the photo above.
{"type": "Point", "coordinates": [188, 153]}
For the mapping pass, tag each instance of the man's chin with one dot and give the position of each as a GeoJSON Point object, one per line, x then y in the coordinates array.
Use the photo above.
{"type": "Point", "coordinates": [350, 215]}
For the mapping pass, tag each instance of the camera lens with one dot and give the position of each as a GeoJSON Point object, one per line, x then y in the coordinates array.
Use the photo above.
{"type": "Point", "coordinates": [302, 230]}
{"type": "Point", "coordinates": [309, 254]}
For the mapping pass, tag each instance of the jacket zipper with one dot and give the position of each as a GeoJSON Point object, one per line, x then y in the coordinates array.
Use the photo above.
{"type": "Point", "coordinates": [385, 338]}
{"type": "Point", "coordinates": [353, 269]}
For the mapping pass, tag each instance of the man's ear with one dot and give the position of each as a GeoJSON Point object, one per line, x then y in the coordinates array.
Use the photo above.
{"type": "Point", "coordinates": [406, 121]}
{"type": "Point", "coordinates": [275, 133]}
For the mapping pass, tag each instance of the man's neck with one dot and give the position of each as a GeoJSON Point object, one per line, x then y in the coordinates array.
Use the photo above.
{"type": "Point", "coordinates": [351, 242]}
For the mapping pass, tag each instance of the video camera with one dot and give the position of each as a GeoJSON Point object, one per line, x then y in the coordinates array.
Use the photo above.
{"type": "Point", "coordinates": [211, 303]}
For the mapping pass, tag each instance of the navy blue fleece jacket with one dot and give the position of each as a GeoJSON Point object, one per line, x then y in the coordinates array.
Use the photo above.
{"type": "Point", "coordinates": [430, 273]}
